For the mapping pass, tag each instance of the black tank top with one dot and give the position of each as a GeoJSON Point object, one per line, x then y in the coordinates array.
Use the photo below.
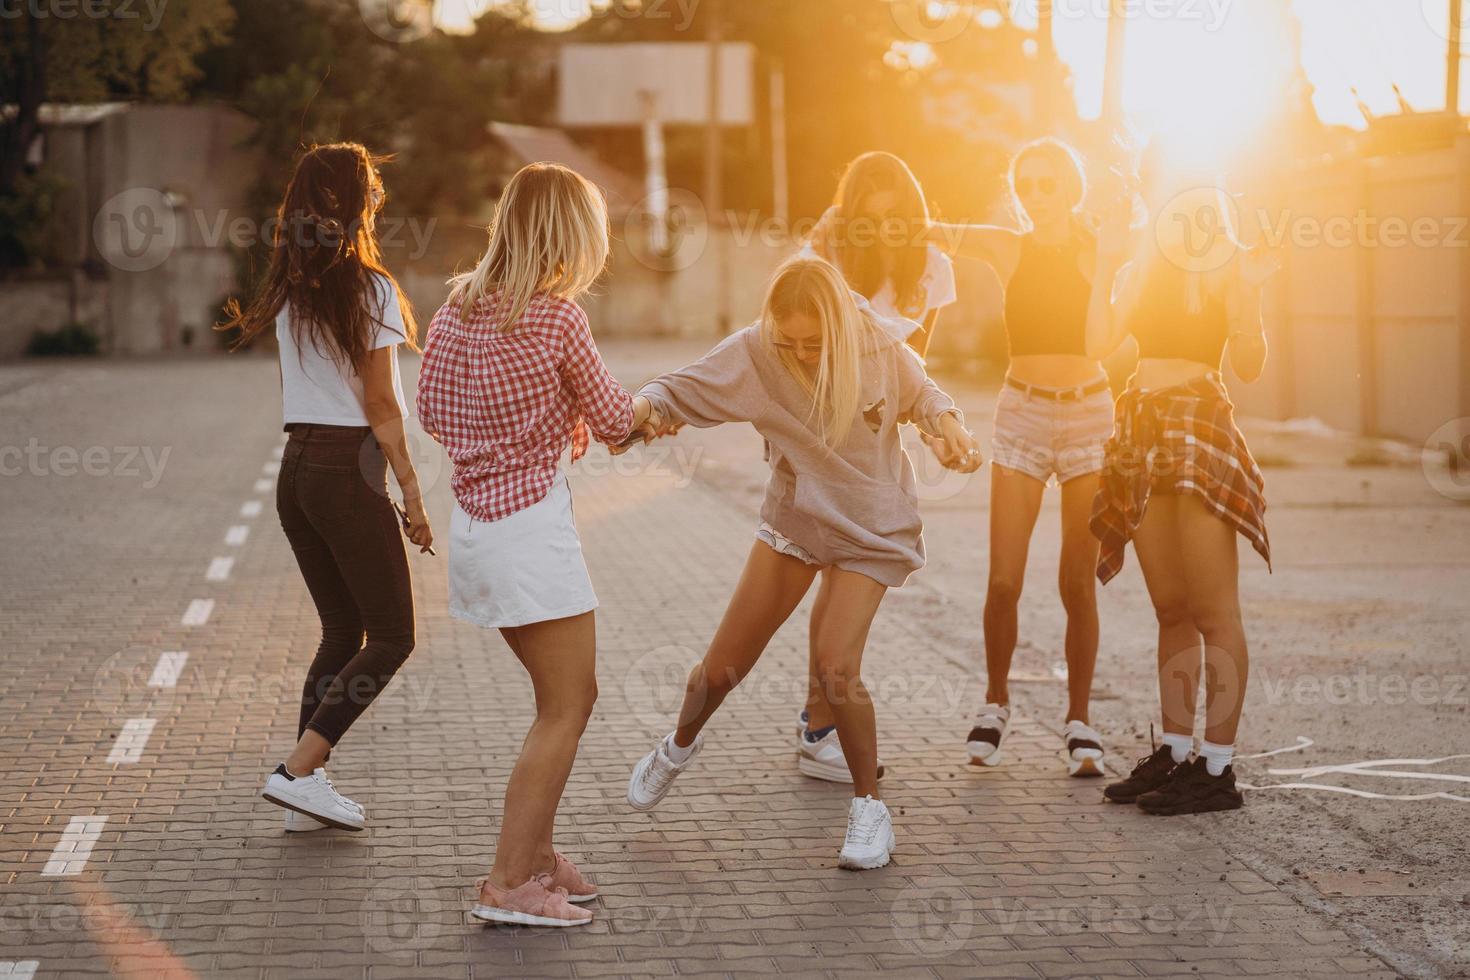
{"type": "Point", "coordinates": [1047, 299]}
{"type": "Point", "coordinates": [1164, 327]}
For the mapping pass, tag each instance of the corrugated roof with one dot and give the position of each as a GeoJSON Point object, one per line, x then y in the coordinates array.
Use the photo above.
{"type": "Point", "coordinates": [535, 144]}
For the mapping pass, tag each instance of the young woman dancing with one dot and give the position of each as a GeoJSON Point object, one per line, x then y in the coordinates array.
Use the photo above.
{"type": "Point", "coordinates": [828, 387]}
{"type": "Point", "coordinates": [874, 234]}
{"type": "Point", "coordinates": [1180, 483]}
{"type": "Point", "coordinates": [339, 319]}
{"type": "Point", "coordinates": [1052, 419]}
{"type": "Point", "coordinates": [510, 378]}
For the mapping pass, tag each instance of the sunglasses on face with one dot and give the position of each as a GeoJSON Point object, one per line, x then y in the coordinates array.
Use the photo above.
{"type": "Point", "coordinates": [800, 349]}
{"type": "Point", "coordinates": [1026, 186]}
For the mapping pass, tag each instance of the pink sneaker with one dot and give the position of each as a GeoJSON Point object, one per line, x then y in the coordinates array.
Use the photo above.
{"type": "Point", "coordinates": [566, 877]}
{"type": "Point", "coordinates": [534, 903]}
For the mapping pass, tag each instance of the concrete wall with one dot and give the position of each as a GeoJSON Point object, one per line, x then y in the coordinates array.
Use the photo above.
{"type": "Point", "coordinates": [46, 304]}
{"type": "Point", "coordinates": [1369, 333]}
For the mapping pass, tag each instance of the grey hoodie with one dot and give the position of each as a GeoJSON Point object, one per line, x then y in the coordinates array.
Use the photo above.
{"type": "Point", "coordinates": [854, 507]}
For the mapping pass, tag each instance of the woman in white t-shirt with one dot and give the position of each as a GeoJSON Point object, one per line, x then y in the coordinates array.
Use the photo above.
{"type": "Point", "coordinates": [339, 319]}
{"type": "Point", "coordinates": [875, 233]}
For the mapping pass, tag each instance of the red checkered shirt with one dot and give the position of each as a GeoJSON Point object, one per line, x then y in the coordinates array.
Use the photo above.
{"type": "Point", "coordinates": [505, 403]}
{"type": "Point", "coordinates": [1181, 439]}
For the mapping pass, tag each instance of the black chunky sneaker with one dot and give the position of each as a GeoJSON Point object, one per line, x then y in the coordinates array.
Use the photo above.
{"type": "Point", "coordinates": [1191, 789]}
{"type": "Point", "coordinates": [1151, 773]}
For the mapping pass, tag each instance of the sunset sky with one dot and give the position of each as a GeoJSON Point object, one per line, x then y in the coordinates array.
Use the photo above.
{"type": "Point", "coordinates": [1215, 62]}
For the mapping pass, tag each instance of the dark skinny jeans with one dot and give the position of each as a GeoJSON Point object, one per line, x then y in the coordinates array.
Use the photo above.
{"type": "Point", "coordinates": [332, 498]}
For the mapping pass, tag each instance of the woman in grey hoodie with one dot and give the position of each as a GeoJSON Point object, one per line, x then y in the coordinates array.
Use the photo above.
{"type": "Point", "coordinates": [828, 384]}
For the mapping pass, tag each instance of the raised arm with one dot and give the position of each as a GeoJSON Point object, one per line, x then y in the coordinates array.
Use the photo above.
{"type": "Point", "coordinates": [719, 387]}
{"type": "Point", "coordinates": [1107, 311]}
{"type": "Point", "coordinates": [998, 247]}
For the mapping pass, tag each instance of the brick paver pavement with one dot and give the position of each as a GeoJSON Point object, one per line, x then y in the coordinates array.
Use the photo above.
{"type": "Point", "coordinates": [1017, 872]}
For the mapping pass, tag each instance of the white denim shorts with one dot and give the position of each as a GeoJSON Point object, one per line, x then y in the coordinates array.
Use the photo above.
{"type": "Point", "coordinates": [522, 569]}
{"type": "Point", "coordinates": [1042, 437]}
{"type": "Point", "coordinates": [782, 545]}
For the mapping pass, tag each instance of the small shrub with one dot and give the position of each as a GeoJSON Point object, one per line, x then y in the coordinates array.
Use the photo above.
{"type": "Point", "coordinates": [72, 340]}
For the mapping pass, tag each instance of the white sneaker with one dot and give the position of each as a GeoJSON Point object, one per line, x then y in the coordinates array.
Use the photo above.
{"type": "Point", "coordinates": [870, 841]}
{"type": "Point", "coordinates": [801, 722]}
{"type": "Point", "coordinates": [314, 796]}
{"type": "Point", "coordinates": [1083, 749]}
{"type": "Point", "coordinates": [988, 736]}
{"type": "Point", "coordinates": [823, 759]}
{"type": "Point", "coordinates": [654, 774]}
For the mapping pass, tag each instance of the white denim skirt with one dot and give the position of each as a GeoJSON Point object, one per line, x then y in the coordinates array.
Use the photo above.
{"type": "Point", "coordinates": [522, 569]}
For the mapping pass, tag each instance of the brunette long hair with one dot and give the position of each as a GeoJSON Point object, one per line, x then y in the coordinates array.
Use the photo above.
{"type": "Point", "coordinates": [872, 249]}
{"type": "Point", "coordinates": [325, 261]}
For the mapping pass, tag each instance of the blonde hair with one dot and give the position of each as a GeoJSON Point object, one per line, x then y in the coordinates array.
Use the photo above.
{"type": "Point", "coordinates": [815, 288]}
{"type": "Point", "coordinates": [549, 235]}
{"type": "Point", "coordinates": [1065, 162]}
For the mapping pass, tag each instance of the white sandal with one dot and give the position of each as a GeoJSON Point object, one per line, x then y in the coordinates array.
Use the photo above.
{"type": "Point", "coordinates": [1084, 751]}
{"type": "Point", "coordinates": [988, 735]}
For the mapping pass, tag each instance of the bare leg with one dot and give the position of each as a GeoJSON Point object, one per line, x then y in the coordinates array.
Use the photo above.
{"type": "Point", "coordinates": [770, 588]}
{"type": "Point", "coordinates": [847, 614]}
{"type": "Point", "coordinates": [1212, 570]}
{"type": "Point", "coordinates": [561, 657]}
{"type": "Point", "coordinates": [1163, 564]}
{"type": "Point", "coordinates": [818, 712]}
{"type": "Point", "coordinates": [1077, 583]}
{"type": "Point", "coordinates": [1015, 500]}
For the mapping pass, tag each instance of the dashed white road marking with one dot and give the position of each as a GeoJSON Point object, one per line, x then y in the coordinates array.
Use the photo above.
{"type": "Point", "coordinates": [198, 612]}
{"type": "Point", "coordinates": [170, 665]}
{"type": "Point", "coordinates": [272, 468]}
{"type": "Point", "coordinates": [219, 569]}
{"type": "Point", "coordinates": [263, 485]}
{"type": "Point", "coordinates": [71, 852]}
{"type": "Point", "coordinates": [237, 534]}
{"type": "Point", "coordinates": [18, 969]}
{"type": "Point", "coordinates": [250, 508]}
{"type": "Point", "coordinates": [132, 740]}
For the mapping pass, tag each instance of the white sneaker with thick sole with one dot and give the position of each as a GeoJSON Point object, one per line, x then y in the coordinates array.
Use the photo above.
{"type": "Point", "coordinates": [823, 759]}
{"type": "Point", "coordinates": [1083, 749]}
{"type": "Point", "coordinates": [314, 796]}
{"type": "Point", "coordinates": [655, 772]}
{"type": "Point", "coordinates": [870, 841]}
{"type": "Point", "coordinates": [987, 738]}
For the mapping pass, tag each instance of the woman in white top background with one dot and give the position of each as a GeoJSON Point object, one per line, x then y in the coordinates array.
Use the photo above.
{"type": "Point", "coordinates": [339, 319]}
{"type": "Point", "coordinates": [875, 234]}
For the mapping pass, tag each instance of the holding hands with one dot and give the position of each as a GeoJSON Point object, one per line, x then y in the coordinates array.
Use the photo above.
{"type": "Point", "coordinates": [648, 425]}
{"type": "Point", "coordinates": [955, 446]}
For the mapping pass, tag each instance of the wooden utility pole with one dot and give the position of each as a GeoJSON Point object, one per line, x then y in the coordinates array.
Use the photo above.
{"type": "Point", "coordinates": [1113, 73]}
{"type": "Point", "coordinates": [1046, 59]}
{"type": "Point", "coordinates": [1452, 77]}
{"type": "Point", "coordinates": [714, 178]}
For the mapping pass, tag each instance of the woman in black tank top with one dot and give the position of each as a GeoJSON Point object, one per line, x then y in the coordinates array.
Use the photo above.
{"type": "Point", "coordinates": [1053, 417]}
{"type": "Point", "coordinates": [1180, 483]}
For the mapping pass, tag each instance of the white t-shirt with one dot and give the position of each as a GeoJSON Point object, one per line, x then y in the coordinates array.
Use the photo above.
{"type": "Point", "coordinates": [937, 285]}
{"type": "Point", "coordinates": [317, 388]}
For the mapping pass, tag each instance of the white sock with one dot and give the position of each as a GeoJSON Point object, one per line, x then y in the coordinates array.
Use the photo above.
{"type": "Point", "coordinates": [1216, 757]}
{"type": "Point", "coordinates": [1179, 746]}
{"type": "Point", "coordinates": [678, 753]}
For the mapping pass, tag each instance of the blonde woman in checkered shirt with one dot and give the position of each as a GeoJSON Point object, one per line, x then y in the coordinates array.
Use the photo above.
{"type": "Point", "coordinates": [510, 378]}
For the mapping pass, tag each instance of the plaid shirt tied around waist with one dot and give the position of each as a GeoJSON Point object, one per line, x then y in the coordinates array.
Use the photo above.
{"type": "Point", "coordinates": [506, 403]}
{"type": "Point", "coordinates": [1183, 439]}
